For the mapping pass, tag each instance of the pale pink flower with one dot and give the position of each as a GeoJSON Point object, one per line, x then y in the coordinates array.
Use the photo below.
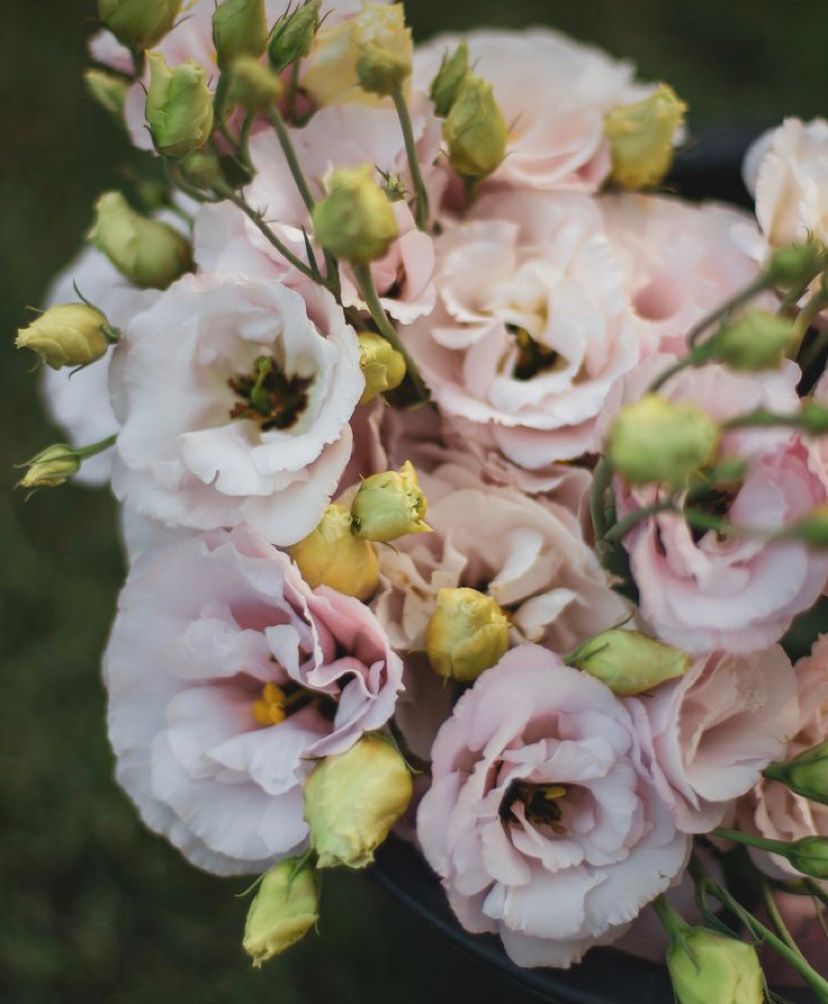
{"type": "Point", "coordinates": [183, 458]}
{"type": "Point", "coordinates": [707, 736]}
{"type": "Point", "coordinates": [551, 877]}
{"type": "Point", "coordinates": [203, 625]}
{"type": "Point", "coordinates": [820, 446]}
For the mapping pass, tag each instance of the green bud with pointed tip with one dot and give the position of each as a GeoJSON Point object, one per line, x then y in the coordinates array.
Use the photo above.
{"type": "Point", "coordinates": [179, 106]}
{"type": "Point", "coordinates": [467, 634]}
{"type": "Point", "coordinates": [629, 662]}
{"type": "Point", "coordinates": [51, 468]}
{"type": "Point", "coordinates": [286, 907]}
{"type": "Point", "coordinates": [794, 266]}
{"type": "Point", "coordinates": [355, 220]}
{"type": "Point", "coordinates": [810, 856]}
{"type": "Point", "coordinates": [710, 968]}
{"type": "Point", "coordinates": [382, 366]}
{"type": "Point", "coordinates": [239, 29]}
{"type": "Point", "coordinates": [475, 130]}
{"type": "Point", "coordinates": [382, 71]}
{"type": "Point", "coordinates": [390, 505]}
{"type": "Point", "coordinates": [293, 36]}
{"type": "Point", "coordinates": [70, 334]}
{"type": "Point", "coordinates": [806, 774]}
{"type": "Point", "coordinates": [108, 90]}
{"type": "Point", "coordinates": [253, 85]}
{"type": "Point", "coordinates": [149, 253]}
{"type": "Point", "coordinates": [642, 136]}
{"type": "Point", "coordinates": [450, 77]}
{"type": "Point", "coordinates": [757, 340]}
{"type": "Point", "coordinates": [139, 24]}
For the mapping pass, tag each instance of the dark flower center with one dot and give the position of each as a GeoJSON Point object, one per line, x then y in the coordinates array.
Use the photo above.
{"type": "Point", "coordinates": [541, 803]}
{"type": "Point", "coordinates": [268, 396]}
{"type": "Point", "coordinates": [533, 358]}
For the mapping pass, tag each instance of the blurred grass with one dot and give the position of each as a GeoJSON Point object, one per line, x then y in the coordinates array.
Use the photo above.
{"type": "Point", "coordinates": [94, 908]}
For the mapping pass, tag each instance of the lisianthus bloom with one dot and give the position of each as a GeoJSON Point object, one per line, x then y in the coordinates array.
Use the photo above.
{"type": "Point", "coordinates": [701, 590]}
{"type": "Point", "coordinates": [820, 451]}
{"type": "Point", "coordinates": [532, 328]}
{"type": "Point", "coordinates": [235, 397]}
{"type": "Point", "coordinates": [682, 260]}
{"type": "Point", "coordinates": [707, 736]}
{"type": "Point", "coordinates": [227, 676]}
{"type": "Point", "coordinates": [771, 809]}
{"type": "Point", "coordinates": [539, 821]}
{"type": "Point", "coordinates": [553, 92]}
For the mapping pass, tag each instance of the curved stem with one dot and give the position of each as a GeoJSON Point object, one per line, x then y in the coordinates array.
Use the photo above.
{"type": "Point", "coordinates": [759, 285]}
{"type": "Point", "coordinates": [669, 373]}
{"type": "Point", "coordinates": [673, 923]}
{"type": "Point", "coordinates": [623, 526]}
{"type": "Point", "coordinates": [601, 482]}
{"type": "Point", "coordinates": [85, 452]}
{"type": "Point", "coordinates": [778, 922]}
{"type": "Point", "coordinates": [288, 149]}
{"type": "Point", "coordinates": [421, 208]}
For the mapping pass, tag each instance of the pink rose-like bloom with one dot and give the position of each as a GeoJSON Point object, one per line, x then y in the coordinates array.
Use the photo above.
{"type": "Point", "coordinates": [553, 92]}
{"type": "Point", "coordinates": [702, 591]}
{"type": "Point", "coordinates": [203, 625]}
{"type": "Point", "coordinates": [707, 736]}
{"type": "Point", "coordinates": [536, 265]}
{"type": "Point", "coordinates": [772, 810]}
{"type": "Point", "coordinates": [551, 877]}
{"type": "Point", "coordinates": [182, 458]}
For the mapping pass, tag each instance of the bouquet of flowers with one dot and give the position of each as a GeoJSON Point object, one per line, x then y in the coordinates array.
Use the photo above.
{"type": "Point", "coordinates": [471, 483]}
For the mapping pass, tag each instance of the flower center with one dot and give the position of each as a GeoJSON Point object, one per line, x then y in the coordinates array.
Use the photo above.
{"type": "Point", "coordinates": [270, 708]}
{"type": "Point", "coordinates": [269, 396]}
{"type": "Point", "coordinates": [541, 803]}
{"type": "Point", "coordinates": [276, 703]}
{"type": "Point", "coordinates": [532, 358]}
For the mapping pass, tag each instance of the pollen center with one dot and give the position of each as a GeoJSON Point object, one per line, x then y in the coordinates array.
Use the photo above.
{"type": "Point", "coordinates": [541, 803]}
{"type": "Point", "coordinates": [269, 709]}
{"type": "Point", "coordinates": [269, 396]}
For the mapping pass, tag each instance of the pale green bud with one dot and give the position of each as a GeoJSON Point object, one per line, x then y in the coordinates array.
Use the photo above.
{"type": "Point", "coordinates": [467, 634]}
{"type": "Point", "coordinates": [641, 137]}
{"type": "Point", "coordinates": [382, 366]}
{"type": "Point", "coordinates": [390, 505]}
{"type": "Point", "coordinates": [149, 253]}
{"type": "Point", "coordinates": [806, 774]}
{"type": "Point", "coordinates": [810, 856]}
{"type": "Point", "coordinates": [794, 266]}
{"type": "Point", "coordinates": [239, 29]}
{"type": "Point", "coordinates": [139, 24]}
{"type": "Point", "coordinates": [355, 220]}
{"type": "Point", "coordinates": [51, 468]}
{"type": "Point", "coordinates": [475, 130]}
{"type": "Point", "coordinates": [332, 556]}
{"type": "Point", "coordinates": [813, 529]}
{"type": "Point", "coordinates": [629, 662]}
{"type": "Point", "coordinates": [71, 334]}
{"type": "Point", "coordinates": [203, 170]}
{"type": "Point", "coordinates": [382, 71]}
{"type": "Point", "coordinates": [109, 90]}
{"type": "Point", "coordinates": [710, 968]}
{"type": "Point", "coordinates": [450, 77]}
{"type": "Point", "coordinates": [293, 36]}
{"type": "Point", "coordinates": [253, 85]}
{"type": "Point", "coordinates": [286, 907]}
{"type": "Point", "coordinates": [656, 440]}
{"type": "Point", "coordinates": [352, 800]}
{"type": "Point", "coordinates": [179, 106]}
{"type": "Point", "coordinates": [757, 340]}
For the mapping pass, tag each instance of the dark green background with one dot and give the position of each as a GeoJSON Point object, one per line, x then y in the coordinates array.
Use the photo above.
{"type": "Point", "coordinates": [91, 906]}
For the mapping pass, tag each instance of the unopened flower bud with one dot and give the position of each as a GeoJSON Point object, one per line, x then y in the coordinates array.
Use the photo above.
{"type": "Point", "coordinates": [71, 334]}
{"type": "Point", "coordinates": [353, 799]}
{"type": "Point", "coordinates": [332, 556]}
{"type": "Point", "coordinates": [813, 528]}
{"type": "Point", "coordinates": [355, 220]}
{"type": "Point", "coordinates": [381, 71]}
{"type": "Point", "coordinates": [149, 253]}
{"type": "Point", "coordinates": [450, 78]}
{"type": "Point", "coordinates": [656, 440]}
{"type": "Point", "coordinates": [51, 468]}
{"type": "Point", "coordinates": [109, 90]}
{"type": "Point", "coordinates": [711, 968]}
{"type": "Point", "coordinates": [293, 35]}
{"type": "Point", "coordinates": [475, 130]}
{"type": "Point", "coordinates": [806, 774]}
{"type": "Point", "coordinates": [253, 85]}
{"type": "Point", "coordinates": [796, 265]}
{"type": "Point", "coordinates": [203, 170]}
{"type": "Point", "coordinates": [757, 340]}
{"type": "Point", "coordinates": [813, 418]}
{"type": "Point", "coordinates": [139, 24]}
{"type": "Point", "coordinates": [382, 366]}
{"type": "Point", "coordinates": [390, 505]}
{"type": "Point", "coordinates": [810, 856]}
{"type": "Point", "coordinates": [629, 662]}
{"type": "Point", "coordinates": [286, 907]}
{"type": "Point", "coordinates": [239, 29]}
{"type": "Point", "coordinates": [467, 634]}
{"type": "Point", "coordinates": [179, 106]}
{"type": "Point", "coordinates": [641, 138]}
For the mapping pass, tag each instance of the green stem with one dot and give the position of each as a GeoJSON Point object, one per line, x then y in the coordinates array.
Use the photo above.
{"type": "Point", "coordinates": [601, 482]}
{"type": "Point", "coordinates": [672, 921]}
{"type": "Point", "coordinates": [704, 521]}
{"type": "Point", "coordinates": [421, 208]}
{"type": "Point", "coordinates": [761, 418]}
{"type": "Point", "coordinates": [749, 840]}
{"type": "Point", "coordinates": [670, 372]}
{"type": "Point", "coordinates": [293, 90]}
{"type": "Point", "coordinates": [623, 526]}
{"type": "Point", "coordinates": [759, 285]}
{"type": "Point", "coordinates": [778, 922]}
{"type": "Point", "coordinates": [85, 452]}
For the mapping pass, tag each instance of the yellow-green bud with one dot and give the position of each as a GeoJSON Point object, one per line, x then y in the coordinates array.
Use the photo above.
{"type": "Point", "coordinates": [813, 529]}
{"type": "Point", "coordinates": [203, 170]}
{"type": "Point", "coordinates": [332, 556]}
{"type": "Point", "coordinates": [475, 130]}
{"type": "Point", "coordinates": [239, 29]}
{"type": "Point", "coordinates": [355, 220]}
{"type": "Point", "coordinates": [641, 138]}
{"type": "Point", "coordinates": [381, 71]}
{"type": "Point", "coordinates": [51, 468]}
{"type": "Point", "coordinates": [109, 90]}
{"type": "Point", "coordinates": [71, 334]}
{"type": "Point", "coordinates": [390, 505]}
{"type": "Point", "coordinates": [629, 662]}
{"type": "Point", "coordinates": [149, 253]}
{"type": "Point", "coordinates": [810, 856]}
{"type": "Point", "coordinates": [382, 366]}
{"type": "Point", "coordinates": [467, 634]}
{"type": "Point", "coordinates": [710, 968]}
{"type": "Point", "coordinates": [656, 440]}
{"type": "Point", "coordinates": [806, 774]}
{"type": "Point", "coordinates": [352, 800]}
{"type": "Point", "coordinates": [450, 77]}
{"type": "Point", "coordinates": [757, 340]}
{"type": "Point", "coordinates": [139, 24]}
{"type": "Point", "coordinates": [794, 266]}
{"type": "Point", "coordinates": [286, 907]}
{"type": "Point", "coordinates": [179, 106]}
{"type": "Point", "coordinates": [253, 85]}
{"type": "Point", "coordinates": [293, 35]}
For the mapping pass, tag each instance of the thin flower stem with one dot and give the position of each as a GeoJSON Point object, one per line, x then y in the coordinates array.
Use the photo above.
{"type": "Point", "coordinates": [672, 921]}
{"type": "Point", "coordinates": [750, 840]}
{"type": "Point", "coordinates": [85, 452]}
{"type": "Point", "coordinates": [623, 526]}
{"type": "Point", "coordinates": [761, 418]}
{"type": "Point", "coordinates": [421, 208]}
{"type": "Point", "coordinates": [778, 922]}
{"type": "Point", "coordinates": [670, 372]}
{"type": "Point", "coordinates": [601, 482]}
{"type": "Point", "coordinates": [759, 285]}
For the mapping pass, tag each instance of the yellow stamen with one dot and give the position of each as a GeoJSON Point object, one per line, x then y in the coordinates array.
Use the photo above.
{"type": "Point", "coordinates": [270, 708]}
{"type": "Point", "coordinates": [552, 792]}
